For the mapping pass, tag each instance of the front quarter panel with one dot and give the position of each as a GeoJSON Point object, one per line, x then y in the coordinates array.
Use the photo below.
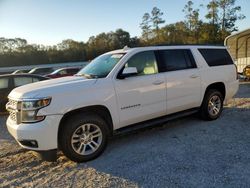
{"type": "Point", "coordinates": [100, 93]}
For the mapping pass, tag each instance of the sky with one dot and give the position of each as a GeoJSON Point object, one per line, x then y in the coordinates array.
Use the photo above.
{"type": "Point", "coordinates": [49, 22]}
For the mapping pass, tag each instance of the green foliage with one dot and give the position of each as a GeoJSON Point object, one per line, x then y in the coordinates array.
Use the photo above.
{"type": "Point", "coordinates": [16, 52]}
{"type": "Point", "coordinates": [221, 18]}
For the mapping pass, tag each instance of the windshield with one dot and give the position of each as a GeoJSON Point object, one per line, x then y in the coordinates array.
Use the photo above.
{"type": "Point", "coordinates": [101, 66]}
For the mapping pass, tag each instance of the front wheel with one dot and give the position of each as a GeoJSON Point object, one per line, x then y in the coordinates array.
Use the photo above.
{"type": "Point", "coordinates": [212, 105]}
{"type": "Point", "coordinates": [83, 137]}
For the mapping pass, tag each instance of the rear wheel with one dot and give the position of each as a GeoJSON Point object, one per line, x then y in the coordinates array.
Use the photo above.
{"type": "Point", "coordinates": [212, 105]}
{"type": "Point", "coordinates": [83, 137]}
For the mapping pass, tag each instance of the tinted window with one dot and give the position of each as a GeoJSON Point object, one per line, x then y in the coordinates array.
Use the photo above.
{"type": "Point", "coordinates": [171, 60]}
{"type": "Point", "coordinates": [46, 70]}
{"type": "Point", "coordinates": [216, 57]}
{"type": "Point", "coordinates": [41, 70]}
{"type": "Point", "coordinates": [35, 79]}
{"type": "Point", "coordinates": [62, 72]}
{"type": "Point", "coordinates": [4, 83]}
{"type": "Point", "coordinates": [72, 71]}
{"type": "Point", "coordinates": [19, 81]}
{"type": "Point", "coordinates": [145, 63]}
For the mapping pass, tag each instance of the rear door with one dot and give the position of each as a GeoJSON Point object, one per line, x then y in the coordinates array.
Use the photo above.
{"type": "Point", "coordinates": [143, 96]}
{"type": "Point", "coordinates": [182, 78]}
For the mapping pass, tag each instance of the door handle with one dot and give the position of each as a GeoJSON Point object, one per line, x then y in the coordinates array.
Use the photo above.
{"type": "Point", "coordinates": [194, 76]}
{"type": "Point", "coordinates": [158, 82]}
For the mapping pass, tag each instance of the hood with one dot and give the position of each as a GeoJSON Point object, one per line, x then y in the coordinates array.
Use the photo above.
{"type": "Point", "coordinates": [51, 87]}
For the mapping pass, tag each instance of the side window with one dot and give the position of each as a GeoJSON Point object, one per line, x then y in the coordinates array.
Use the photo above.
{"type": "Point", "coordinates": [38, 71]}
{"type": "Point", "coordinates": [19, 81]}
{"type": "Point", "coordinates": [35, 80]}
{"type": "Point", "coordinates": [216, 57]}
{"type": "Point", "coordinates": [62, 72]}
{"type": "Point", "coordinates": [145, 62]}
{"type": "Point", "coordinates": [4, 83]}
{"type": "Point", "coordinates": [72, 71]}
{"type": "Point", "coordinates": [171, 60]}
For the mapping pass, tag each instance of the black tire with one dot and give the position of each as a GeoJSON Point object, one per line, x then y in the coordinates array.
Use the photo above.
{"type": "Point", "coordinates": [204, 109]}
{"type": "Point", "coordinates": [73, 124]}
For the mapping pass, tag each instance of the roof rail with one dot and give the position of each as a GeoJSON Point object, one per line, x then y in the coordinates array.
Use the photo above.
{"type": "Point", "coordinates": [187, 45]}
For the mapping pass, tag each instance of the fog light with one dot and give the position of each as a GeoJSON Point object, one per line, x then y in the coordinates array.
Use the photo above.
{"type": "Point", "coordinates": [29, 143]}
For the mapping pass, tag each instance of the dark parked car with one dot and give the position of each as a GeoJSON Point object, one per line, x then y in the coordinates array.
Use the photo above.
{"type": "Point", "coordinates": [41, 71]}
{"type": "Point", "coordinates": [69, 71]}
{"type": "Point", "coordinates": [11, 81]}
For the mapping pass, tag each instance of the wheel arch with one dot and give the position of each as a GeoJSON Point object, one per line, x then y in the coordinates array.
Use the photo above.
{"type": "Point", "coordinates": [220, 86]}
{"type": "Point", "coordinates": [100, 110]}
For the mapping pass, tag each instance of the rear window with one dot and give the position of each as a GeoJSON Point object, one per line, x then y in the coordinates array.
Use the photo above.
{"type": "Point", "coordinates": [216, 57]}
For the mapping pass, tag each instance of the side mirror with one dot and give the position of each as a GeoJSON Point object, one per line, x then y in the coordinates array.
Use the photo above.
{"type": "Point", "coordinates": [127, 72]}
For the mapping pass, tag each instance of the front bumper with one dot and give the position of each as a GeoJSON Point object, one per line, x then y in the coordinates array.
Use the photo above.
{"type": "Point", "coordinates": [44, 132]}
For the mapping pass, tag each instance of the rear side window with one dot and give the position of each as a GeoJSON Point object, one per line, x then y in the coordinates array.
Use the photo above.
{"type": "Point", "coordinates": [216, 57]}
{"type": "Point", "coordinates": [4, 83]}
{"type": "Point", "coordinates": [72, 71]}
{"type": "Point", "coordinates": [171, 60]}
{"type": "Point", "coordinates": [19, 81]}
{"type": "Point", "coordinates": [35, 80]}
{"type": "Point", "coordinates": [62, 72]}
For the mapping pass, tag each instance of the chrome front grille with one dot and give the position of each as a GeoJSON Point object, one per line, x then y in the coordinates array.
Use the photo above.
{"type": "Point", "coordinates": [13, 107]}
{"type": "Point", "coordinates": [13, 116]}
{"type": "Point", "coordinates": [13, 103]}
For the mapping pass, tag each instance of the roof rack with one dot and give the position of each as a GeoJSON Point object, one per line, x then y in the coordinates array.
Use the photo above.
{"type": "Point", "coordinates": [187, 45]}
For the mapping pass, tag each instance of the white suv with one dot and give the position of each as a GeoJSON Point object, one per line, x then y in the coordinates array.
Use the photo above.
{"type": "Point", "coordinates": [118, 91]}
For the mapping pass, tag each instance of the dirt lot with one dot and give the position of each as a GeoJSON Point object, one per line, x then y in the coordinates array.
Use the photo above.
{"type": "Point", "coordinates": [182, 153]}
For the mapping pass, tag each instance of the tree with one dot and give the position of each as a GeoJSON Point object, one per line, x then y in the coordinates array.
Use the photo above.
{"type": "Point", "coordinates": [153, 20]}
{"type": "Point", "coordinates": [156, 15]}
{"type": "Point", "coordinates": [188, 9]}
{"type": "Point", "coordinates": [123, 38]}
{"type": "Point", "coordinates": [229, 16]}
{"type": "Point", "coordinates": [193, 22]}
{"type": "Point", "coordinates": [146, 26]}
{"type": "Point", "coordinates": [212, 16]}
{"type": "Point", "coordinates": [9, 45]}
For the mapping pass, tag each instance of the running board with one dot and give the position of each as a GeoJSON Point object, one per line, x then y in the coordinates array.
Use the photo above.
{"type": "Point", "coordinates": [153, 122]}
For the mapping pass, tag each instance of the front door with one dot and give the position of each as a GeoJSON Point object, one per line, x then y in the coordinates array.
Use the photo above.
{"type": "Point", "coordinates": [143, 96]}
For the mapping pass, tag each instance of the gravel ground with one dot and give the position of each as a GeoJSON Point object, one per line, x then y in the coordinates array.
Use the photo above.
{"type": "Point", "coordinates": [187, 152]}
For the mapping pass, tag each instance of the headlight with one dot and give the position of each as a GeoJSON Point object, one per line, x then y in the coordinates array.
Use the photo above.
{"type": "Point", "coordinates": [30, 108]}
